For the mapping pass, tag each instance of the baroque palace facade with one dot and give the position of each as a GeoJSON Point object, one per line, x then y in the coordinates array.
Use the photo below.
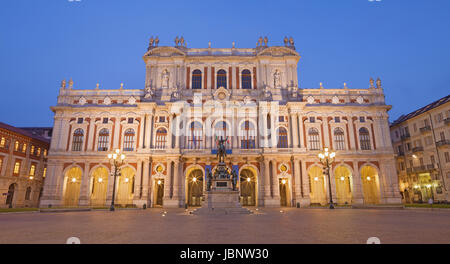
{"type": "Point", "coordinates": [192, 97]}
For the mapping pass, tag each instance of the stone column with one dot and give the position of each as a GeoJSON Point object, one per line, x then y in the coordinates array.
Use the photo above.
{"type": "Point", "coordinates": [137, 184]}
{"type": "Point", "coordinates": [297, 180]}
{"type": "Point", "coordinates": [84, 190]}
{"type": "Point", "coordinates": [305, 185]}
{"type": "Point", "coordinates": [177, 132]}
{"type": "Point", "coordinates": [176, 180]}
{"type": "Point", "coordinates": [326, 135]}
{"type": "Point", "coordinates": [267, 194]}
{"type": "Point", "coordinates": [275, 181]}
{"type": "Point", "coordinates": [117, 134]}
{"type": "Point", "coordinates": [168, 181]}
{"type": "Point", "coordinates": [351, 133]}
{"type": "Point", "coordinates": [169, 134]}
{"type": "Point", "coordinates": [145, 182]}
{"type": "Point", "coordinates": [357, 195]}
{"type": "Point", "coordinates": [235, 127]}
{"type": "Point", "coordinates": [148, 133]}
{"type": "Point", "coordinates": [294, 129]}
{"type": "Point", "coordinates": [142, 133]}
{"type": "Point", "coordinates": [300, 127]}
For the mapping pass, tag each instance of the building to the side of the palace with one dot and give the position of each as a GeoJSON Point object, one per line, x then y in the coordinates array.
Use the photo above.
{"type": "Point", "coordinates": [421, 141]}
{"type": "Point", "coordinates": [194, 96]}
{"type": "Point", "coordinates": [23, 166]}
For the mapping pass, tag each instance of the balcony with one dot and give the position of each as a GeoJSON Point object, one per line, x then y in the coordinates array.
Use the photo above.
{"type": "Point", "coordinates": [425, 129]}
{"type": "Point", "coordinates": [424, 168]}
{"type": "Point", "coordinates": [405, 136]}
{"type": "Point", "coordinates": [447, 121]}
{"type": "Point", "coordinates": [442, 143]}
{"type": "Point", "coordinates": [417, 149]}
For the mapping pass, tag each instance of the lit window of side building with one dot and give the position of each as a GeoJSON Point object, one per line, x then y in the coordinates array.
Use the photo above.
{"type": "Point", "coordinates": [23, 165]}
{"type": "Point", "coordinates": [193, 97]}
{"type": "Point", "coordinates": [421, 142]}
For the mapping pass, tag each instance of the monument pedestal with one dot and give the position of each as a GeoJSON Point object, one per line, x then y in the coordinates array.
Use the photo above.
{"type": "Point", "coordinates": [222, 198]}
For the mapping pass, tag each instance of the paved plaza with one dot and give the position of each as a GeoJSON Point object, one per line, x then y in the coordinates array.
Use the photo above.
{"type": "Point", "coordinates": [292, 225]}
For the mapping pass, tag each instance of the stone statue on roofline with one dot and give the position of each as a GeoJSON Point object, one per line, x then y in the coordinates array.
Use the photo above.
{"type": "Point", "coordinates": [156, 41]}
{"type": "Point", "coordinates": [378, 83]}
{"type": "Point", "coordinates": [63, 84]}
{"type": "Point", "coordinates": [286, 41]}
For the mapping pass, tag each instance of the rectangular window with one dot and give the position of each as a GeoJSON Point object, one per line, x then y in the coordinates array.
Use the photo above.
{"type": "Point", "coordinates": [44, 173]}
{"type": "Point", "coordinates": [45, 153]}
{"type": "Point", "coordinates": [16, 146]}
{"type": "Point", "coordinates": [408, 146]}
{"type": "Point", "coordinates": [362, 119]}
{"type": "Point", "coordinates": [337, 119]}
{"type": "Point", "coordinates": [447, 157]}
{"type": "Point", "coordinates": [24, 148]}
{"type": "Point", "coordinates": [415, 127]}
{"type": "Point", "coordinates": [17, 167]}
{"type": "Point", "coordinates": [432, 159]}
{"type": "Point", "coordinates": [105, 120]}
{"type": "Point", "coordinates": [421, 161]}
{"type": "Point", "coordinates": [396, 133]}
{"type": "Point", "coordinates": [1, 164]}
{"type": "Point", "coordinates": [426, 122]}
{"type": "Point", "coordinates": [439, 117]}
{"type": "Point", "coordinates": [38, 153]}
{"type": "Point", "coordinates": [32, 170]}
{"type": "Point", "coordinates": [32, 150]}
{"type": "Point", "coordinates": [130, 120]}
{"type": "Point", "coordinates": [80, 120]}
{"type": "Point", "coordinates": [442, 134]}
{"type": "Point", "coordinates": [281, 118]}
{"type": "Point", "coordinates": [162, 119]}
{"type": "Point", "coordinates": [2, 142]}
{"type": "Point", "coordinates": [312, 119]}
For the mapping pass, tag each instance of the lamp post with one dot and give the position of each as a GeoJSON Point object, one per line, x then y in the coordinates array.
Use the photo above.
{"type": "Point", "coordinates": [116, 159]}
{"type": "Point", "coordinates": [327, 158]}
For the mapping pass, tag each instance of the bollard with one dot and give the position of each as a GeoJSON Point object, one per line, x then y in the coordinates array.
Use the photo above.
{"type": "Point", "coordinates": [144, 206]}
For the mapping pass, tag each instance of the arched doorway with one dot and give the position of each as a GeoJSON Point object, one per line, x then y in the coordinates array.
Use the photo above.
{"type": "Point", "coordinates": [72, 185]}
{"type": "Point", "coordinates": [343, 176]}
{"type": "Point", "coordinates": [125, 188]}
{"type": "Point", "coordinates": [99, 186]}
{"type": "Point", "coordinates": [369, 177]}
{"type": "Point", "coordinates": [194, 187]}
{"type": "Point", "coordinates": [158, 192]}
{"type": "Point", "coordinates": [284, 192]}
{"type": "Point", "coordinates": [248, 187]}
{"type": "Point", "coordinates": [10, 197]}
{"type": "Point", "coordinates": [317, 186]}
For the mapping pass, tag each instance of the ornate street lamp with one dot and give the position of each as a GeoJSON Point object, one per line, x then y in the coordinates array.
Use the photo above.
{"type": "Point", "coordinates": [116, 159]}
{"type": "Point", "coordinates": [327, 158]}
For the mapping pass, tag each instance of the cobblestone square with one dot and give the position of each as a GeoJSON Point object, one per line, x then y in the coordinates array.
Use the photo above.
{"type": "Point", "coordinates": [286, 225]}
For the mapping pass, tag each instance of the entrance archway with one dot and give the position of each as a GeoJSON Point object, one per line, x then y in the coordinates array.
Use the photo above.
{"type": "Point", "coordinates": [194, 187]}
{"type": "Point", "coordinates": [284, 192]}
{"type": "Point", "coordinates": [248, 187]}
{"type": "Point", "coordinates": [370, 183]}
{"type": "Point", "coordinates": [72, 185]}
{"type": "Point", "coordinates": [343, 181]}
{"type": "Point", "coordinates": [125, 188]}
{"type": "Point", "coordinates": [99, 186]}
{"type": "Point", "coordinates": [10, 197]}
{"type": "Point", "coordinates": [317, 186]}
{"type": "Point", "coordinates": [158, 192]}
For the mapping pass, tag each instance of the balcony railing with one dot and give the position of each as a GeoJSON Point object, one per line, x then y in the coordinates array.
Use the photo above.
{"type": "Point", "coordinates": [444, 142]}
{"type": "Point", "coordinates": [417, 149]}
{"type": "Point", "coordinates": [401, 153]}
{"type": "Point", "coordinates": [447, 121]}
{"type": "Point", "coordinates": [425, 129]}
{"type": "Point", "coordinates": [405, 136]}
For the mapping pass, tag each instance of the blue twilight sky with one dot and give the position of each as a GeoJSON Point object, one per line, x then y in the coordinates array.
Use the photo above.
{"type": "Point", "coordinates": [404, 42]}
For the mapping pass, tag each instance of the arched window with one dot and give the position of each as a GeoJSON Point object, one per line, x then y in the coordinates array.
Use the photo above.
{"type": "Point", "coordinates": [195, 136]}
{"type": "Point", "coordinates": [221, 79]}
{"type": "Point", "coordinates": [248, 135]}
{"type": "Point", "coordinates": [246, 79]}
{"type": "Point", "coordinates": [103, 139]}
{"type": "Point", "coordinates": [196, 79]}
{"type": "Point", "coordinates": [364, 138]}
{"type": "Point", "coordinates": [128, 140]}
{"type": "Point", "coordinates": [221, 131]}
{"type": "Point", "coordinates": [282, 136]}
{"type": "Point", "coordinates": [77, 140]}
{"type": "Point", "coordinates": [313, 139]}
{"type": "Point", "coordinates": [161, 137]}
{"type": "Point", "coordinates": [28, 194]}
{"type": "Point", "coordinates": [339, 140]}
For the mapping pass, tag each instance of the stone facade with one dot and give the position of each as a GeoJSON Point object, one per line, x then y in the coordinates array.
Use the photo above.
{"type": "Point", "coordinates": [421, 141]}
{"type": "Point", "coordinates": [23, 165]}
{"type": "Point", "coordinates": [192, 97]}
